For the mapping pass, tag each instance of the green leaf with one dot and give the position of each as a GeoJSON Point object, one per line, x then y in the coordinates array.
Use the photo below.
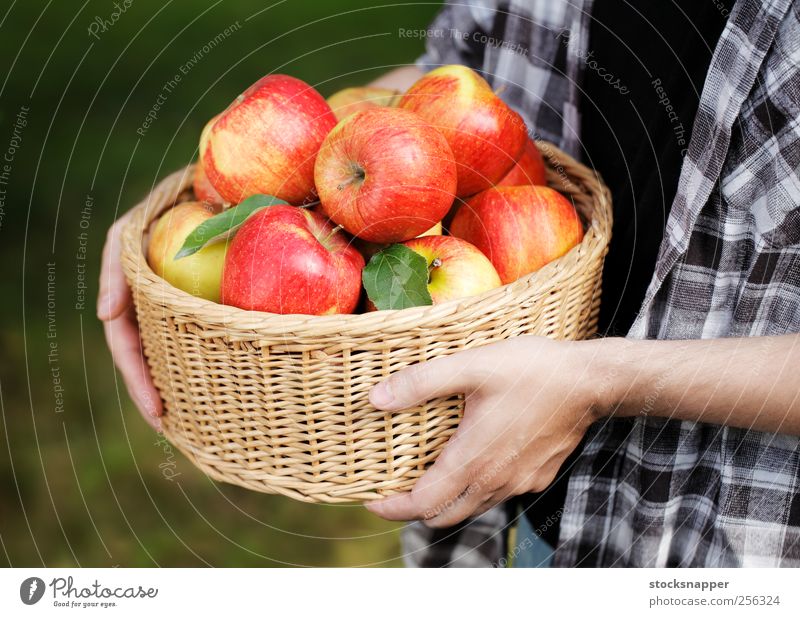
{"type": "Point", "coordinates": [223, 225]}
{"type": "Point", "coordinates": [397, 278]}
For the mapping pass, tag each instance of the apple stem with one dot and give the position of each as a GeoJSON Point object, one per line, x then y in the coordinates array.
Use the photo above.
{"type": "Point", "coordinates": [310, 204]}
{"type": "Point", "coordinates": [433, 265]}
{"type": "Point", "coordinates": [358, 176]}
{"type": "Point", "coordinates": [349, 181]}
{"type": "Point", "coordinates": [336, 229]}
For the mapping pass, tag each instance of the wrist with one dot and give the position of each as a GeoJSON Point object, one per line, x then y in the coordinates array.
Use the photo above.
{"type": "Point", "coordinates": [611, 373]}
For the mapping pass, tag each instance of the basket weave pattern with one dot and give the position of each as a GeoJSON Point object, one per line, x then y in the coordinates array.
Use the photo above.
{"type": "Point", "coordinates": [278, 403]}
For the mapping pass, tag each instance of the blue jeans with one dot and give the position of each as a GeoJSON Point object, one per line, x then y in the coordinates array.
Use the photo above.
{"type": "Point", "coordinates": [530, 551]}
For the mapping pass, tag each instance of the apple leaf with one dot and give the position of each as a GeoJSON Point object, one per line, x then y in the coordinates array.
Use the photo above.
{"type": "Point", "coordinates": [397, 278]}
{"type": "Point", "coordinates": [223, 225]}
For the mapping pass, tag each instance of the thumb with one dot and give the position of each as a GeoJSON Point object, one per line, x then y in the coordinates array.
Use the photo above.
{"type": "Point", "coordinates": [456, 374]}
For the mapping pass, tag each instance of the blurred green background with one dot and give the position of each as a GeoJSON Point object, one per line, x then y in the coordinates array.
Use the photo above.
{"type": "Point", "coordinates": [82, 481]}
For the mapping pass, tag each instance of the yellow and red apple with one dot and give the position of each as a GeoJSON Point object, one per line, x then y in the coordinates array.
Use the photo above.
{"type": "Point", "coordinates": [519, 228]}
{"type": "Point", "coordinates": [285, 260]}
{"type": "Point", "coordinates": [385, 175]}
{"type": "Point", "coordinates": [485, 135]}
{"type": "Point", "coordinates": [352, 100]}
{"type": "Point", "coordinates": [456, 269]}
{"type": "Point", "coordinates": [198, 274]}
{"type": "Point", "coordinates": [267, 140]}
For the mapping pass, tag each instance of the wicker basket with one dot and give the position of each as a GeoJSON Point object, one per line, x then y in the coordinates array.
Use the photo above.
{"type": "Point", "coordinates": [278, 403]}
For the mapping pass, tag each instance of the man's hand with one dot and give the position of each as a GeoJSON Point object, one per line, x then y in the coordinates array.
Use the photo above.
{"type": "Point", "coordinates": [115, 308]}
{"type": "Point", "coordinates": [529, 402]}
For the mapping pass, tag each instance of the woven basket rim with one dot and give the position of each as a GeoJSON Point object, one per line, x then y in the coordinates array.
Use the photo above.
{"type": "Point", "coordinates": [231, 318]}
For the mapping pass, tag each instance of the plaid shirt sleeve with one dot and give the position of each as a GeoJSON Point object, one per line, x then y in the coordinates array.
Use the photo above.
{"type": "Point", "coordinates": [455, 35]}
{"type": "Point", "coordinates": [659, 492]}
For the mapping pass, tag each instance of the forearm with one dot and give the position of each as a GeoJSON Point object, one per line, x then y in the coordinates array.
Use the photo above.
{"type": "Point", "coordinates": [398, 79]}
{"type": "Point", "coordinates": [743, 382]}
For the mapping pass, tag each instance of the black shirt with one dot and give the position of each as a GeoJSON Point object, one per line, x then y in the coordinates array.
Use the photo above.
{"type": "Point", "coordinates": [636, 138]}
{"type": "Point", "coordinates": [642, 80]}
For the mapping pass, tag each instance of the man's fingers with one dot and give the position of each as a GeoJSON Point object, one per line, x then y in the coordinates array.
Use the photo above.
{"type": "Point", "coordinates": [114, 295]}
{"type": "Point", "coordinates": [122, 336]}
{"type": "Point", "coordinates": [486, 469]}
{"type": "Point", "coordinates": [473, 502]}
{"type": "Point", "coordinates": [435, 491]}
{"type": "Point", "coordinates": [467, 505]}
{"type": "Point", "coordinates": [471, 475]}
{"type": "Point", "coordinates": [456, 374]}
{"type": "Point", "coordinates": [450, 482]}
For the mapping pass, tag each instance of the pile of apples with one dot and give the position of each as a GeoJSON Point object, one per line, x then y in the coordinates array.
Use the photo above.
{"type": "Point", "coordinates": [344, 181]}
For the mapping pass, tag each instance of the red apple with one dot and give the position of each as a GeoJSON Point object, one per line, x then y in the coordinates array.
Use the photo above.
{"type": "Point", "coordinates": [267, 141]}
{"type": "Point", "coordinates": [456, 268]}
{"type": "Point", "coordinates": [486, 136]}
{"type": "Point", "coordinates": [385, 175]}
{"type": "Point", "coordinates": [290, 260]}
{"type": "Point", "coordinates": [529, 169]}
{"type": "Point", "coordinates": [352, 100]}
{"type": "Point", "coordinates": [519, 228]}
{"type": "Point", "coordinates": [203, 189]}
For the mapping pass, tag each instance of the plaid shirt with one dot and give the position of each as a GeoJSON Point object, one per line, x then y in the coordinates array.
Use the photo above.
{"type": "Point", "coordinates": [650, 491]}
